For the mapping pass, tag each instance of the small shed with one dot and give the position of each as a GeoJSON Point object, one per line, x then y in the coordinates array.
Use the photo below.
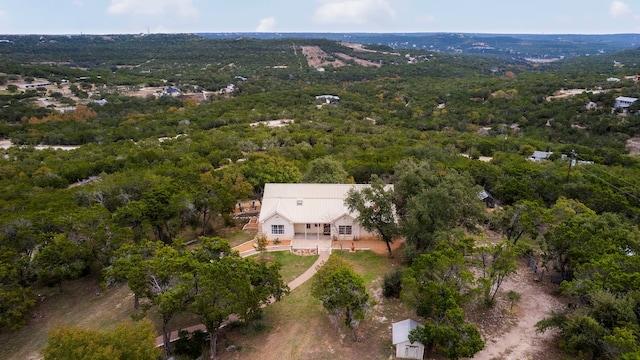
{"type": "Point", "coordinates": [488, 199]}
{"type": "Point", "coordinates": [404, 348]}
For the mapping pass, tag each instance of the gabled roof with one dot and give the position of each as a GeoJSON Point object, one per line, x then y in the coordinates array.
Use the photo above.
{"type": "Point", "coordinates": [484, 194]}
{"type": "Point", "coordinates": [540, 155]}
{"type": "Point", "coordinates": [307, 203]}
{"type": "Point", "coordinates": [400, 330]}
{"type": "Point", "coordinates": [626, 98]}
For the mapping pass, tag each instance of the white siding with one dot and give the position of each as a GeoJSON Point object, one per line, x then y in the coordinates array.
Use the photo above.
{"type": "Point", "coordinates": [314, 204]}
{"type": "Point", "coordinates": [407, 350]}
{"type": "Point", "coordinates": [277, 220]}
{"type": "Point", "coordinates": [356, 230]}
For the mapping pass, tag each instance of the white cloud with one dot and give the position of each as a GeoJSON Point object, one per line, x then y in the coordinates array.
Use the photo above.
{"type": "Point", "coordinates": [619, 9]}
{"type": "Point", "coordinates": [426, 19]}
{"type": "Point", "coordinates": [266, 25]}
{"type": "Point", "coordinates": [182, 8]}
{"type": "Point", "coordinates": [354, 12]}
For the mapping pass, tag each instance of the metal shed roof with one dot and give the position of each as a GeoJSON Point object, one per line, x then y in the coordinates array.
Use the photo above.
{"type": "Point", "coordinates": [400, 330]}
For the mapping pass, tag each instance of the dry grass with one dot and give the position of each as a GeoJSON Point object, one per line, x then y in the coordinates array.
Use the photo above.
{"type": "Point", "coordinates": [298, 327]}
{"type": "Point", "coordinates": [84, 303]}
{"type": "Point", "coordinates": [81, 303]}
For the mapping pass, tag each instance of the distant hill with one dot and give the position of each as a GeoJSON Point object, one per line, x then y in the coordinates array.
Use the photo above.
{"type": "Point", "coordinates": [511, 45]}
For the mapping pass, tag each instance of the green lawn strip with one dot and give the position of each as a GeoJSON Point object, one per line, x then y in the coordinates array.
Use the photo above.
{"type": "Point", "coordinates": [292, 265]}
{"type": "Point", "coordinates": [367, 264]}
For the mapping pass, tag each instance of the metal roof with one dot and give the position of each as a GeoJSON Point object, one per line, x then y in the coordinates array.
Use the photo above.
{"type": "Point", "coordinates": [307, 203]}
{"type": "Point", "coordinates": [400, 330]}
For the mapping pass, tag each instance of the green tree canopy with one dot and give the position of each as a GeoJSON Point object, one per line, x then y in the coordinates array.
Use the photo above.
{"type": "Point", "coordinates": [126, 342]}
{"type": "Point", "coordinates": [16, 297]}
{"type": "Point", "coordinates": [325, 170]}
{"type": "Point", "coordinates": [376, 211]}
{"type": "Point", "coordinates": [228, 284]}
{"type": "Point", "coordinates": [260, 169]}
{"type": "Point", "coordinates": [342, 292]}
{"type": "Point", "coordinates": [431, 200]}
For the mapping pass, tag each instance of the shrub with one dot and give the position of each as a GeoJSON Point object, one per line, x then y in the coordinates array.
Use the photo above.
{"type": "Point", "coordinates": [191, 344]}
{"type": "Point", "coordinates": [392, 284]}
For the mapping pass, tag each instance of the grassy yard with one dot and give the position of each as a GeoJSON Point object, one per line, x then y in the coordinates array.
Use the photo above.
{"type": "Point", "coordinates": [292, 265]}
{"type": "Point", "coordinates": [298, 328]}
{"type": "Point", "coordinates": [83, 303]}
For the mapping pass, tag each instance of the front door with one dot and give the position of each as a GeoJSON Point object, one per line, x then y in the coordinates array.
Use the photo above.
{"type": "Point", "coordinates": [327, 229]}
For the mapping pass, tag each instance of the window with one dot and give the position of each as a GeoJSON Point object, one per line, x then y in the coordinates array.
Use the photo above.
{"type": "Point", "coordinates": [308, 226]}
{"type": "Point", "coordinates": [277, 229]}
{"type": "Point", "coordinates": [344, 230]}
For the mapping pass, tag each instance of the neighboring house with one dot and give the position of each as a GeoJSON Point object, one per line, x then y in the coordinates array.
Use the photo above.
{"type": "Point", "coordinates": [540, 155]}
{"type": "Point", "coordinates": [623, 102]}
{"type": "Point", "coordinates": [229, 89]}
{"type": "Point", "coordinates": [309, 212]}
{"type": "Point", "coordinates": [591, 105]}
{"type": "Point", "coordinates": [404, 348]}
{"type": "Point", "coordinates": [35, 85]}
{"type": "Point", "coordinates": [171, 91]}
{"type": "Point", "coordinates": [575, 162]}
{"type": "Point", "coordinates": [329, 99]}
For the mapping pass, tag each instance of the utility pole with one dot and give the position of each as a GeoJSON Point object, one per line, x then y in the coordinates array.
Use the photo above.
{"type": "Point", "coordinates": [572, 156]}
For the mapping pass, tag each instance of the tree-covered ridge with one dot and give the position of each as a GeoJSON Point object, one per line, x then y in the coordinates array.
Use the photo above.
{"type": "Point", "coordinates": [547, 46]}
{"type": "Point", "coordinates": [171, 168]}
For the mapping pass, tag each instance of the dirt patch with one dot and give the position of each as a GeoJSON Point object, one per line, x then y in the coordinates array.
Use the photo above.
{"type": "Point", "coordinates": [81, 303]}
{"type": "Point", "coordinates": [358, 61]}
{"type": "Point", "coordinates": [357, 47]}
{"type": "Point", "coordinates": [567, 93]}
{"type": "Point", "coordinates": [633, 145]}
{"type": "Point", "coordinates": [316, 57]}
{"type": "Point", "coordinates": [510, 332]}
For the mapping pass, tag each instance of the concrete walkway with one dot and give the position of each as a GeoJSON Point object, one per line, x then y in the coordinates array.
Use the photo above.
{"type": "Point", "coordinates": [324, 256]}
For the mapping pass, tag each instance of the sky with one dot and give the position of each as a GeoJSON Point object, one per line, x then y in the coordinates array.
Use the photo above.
{"type": "Point", "coordinates": [376, 16]}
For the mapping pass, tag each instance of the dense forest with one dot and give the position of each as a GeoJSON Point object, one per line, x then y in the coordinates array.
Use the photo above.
{"type": "Point", "coordinates": [151, 169]}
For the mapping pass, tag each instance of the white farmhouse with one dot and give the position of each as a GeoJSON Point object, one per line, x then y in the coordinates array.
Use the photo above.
{"type": "Point", "coordinates": [309, 212]}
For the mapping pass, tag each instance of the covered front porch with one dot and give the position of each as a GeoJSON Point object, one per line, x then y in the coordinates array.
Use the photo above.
{"type": "Point", "coordinates": [316, 231]}
{"type": "Point", "coordinates": [309, 244]}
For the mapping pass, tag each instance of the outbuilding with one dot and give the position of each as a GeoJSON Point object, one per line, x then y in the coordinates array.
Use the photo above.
{"type": "Point", "coordinates": [623, 102]}
{"type": "Point", "coordinates": [405, 349]}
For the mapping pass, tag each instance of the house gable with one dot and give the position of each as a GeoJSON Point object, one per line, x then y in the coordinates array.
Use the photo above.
{"type": "Point", "coordinates": [274, 214]}
{"type": "Point", "coordinates": [316, 209]}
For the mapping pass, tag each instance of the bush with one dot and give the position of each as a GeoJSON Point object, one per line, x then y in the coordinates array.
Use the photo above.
{"type": "Point", "coordinates": [392, 284]}
{"type": "Point", "coordinates": [191, 344]}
